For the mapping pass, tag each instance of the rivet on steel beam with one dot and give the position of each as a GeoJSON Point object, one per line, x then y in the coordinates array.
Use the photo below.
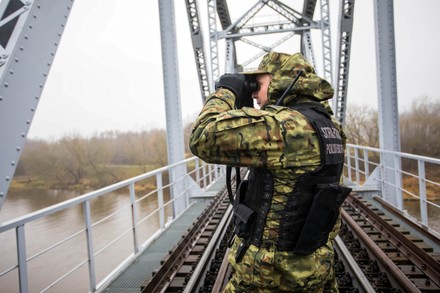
{"type": "Point", "coordinates": [7, 178]}
{"type": "Point", "coordinates": [16, 60]}
{"type": "Point", "coordinates": [2, 194]}
{"type": "Point", "coordinates": [26, 37]}
{"type": "Point", "coordinates": [13, 163]}
{"type": "Point", "coordinates": [18, 149]}
{"type": "Point", "coordinates": [30, 26]}
{"type": "Point", "coordinates": [6, 84]}
{"type": "Point", "coordinates": [21, 48]}
{"type": "Point", "coordinates": [23, 134]}
{"type": "Point", "coordinates": [11, 71]}
{"type": "Point", "coordinates": [28, 122]}
{"type": "Point", "coordinates": [1, 98]}
{"type": "Point", "coordinates": [32, 109]}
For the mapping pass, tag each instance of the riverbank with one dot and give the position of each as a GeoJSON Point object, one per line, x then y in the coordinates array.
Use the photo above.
{"type": "Point", "coordinates": [88, 182]}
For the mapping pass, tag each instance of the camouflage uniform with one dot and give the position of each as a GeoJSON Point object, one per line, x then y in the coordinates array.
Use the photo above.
{"type": "Point", "coordinates": [283, 141]}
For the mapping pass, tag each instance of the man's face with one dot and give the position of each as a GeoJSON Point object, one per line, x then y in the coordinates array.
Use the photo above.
{"type": "Point", "coordinates": [260, 95]}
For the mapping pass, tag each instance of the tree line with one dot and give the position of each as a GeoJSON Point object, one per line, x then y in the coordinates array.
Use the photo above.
{"type": "Point", "coordinates": [419, 127]}
{"type": "Point", "coordinates": [77, 161]}
{"type": "Point", "coordinates": [113, 156]}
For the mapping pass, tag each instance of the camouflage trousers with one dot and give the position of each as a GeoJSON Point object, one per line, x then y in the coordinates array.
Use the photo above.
{"type": "Point", "coordinates": [268, 271]}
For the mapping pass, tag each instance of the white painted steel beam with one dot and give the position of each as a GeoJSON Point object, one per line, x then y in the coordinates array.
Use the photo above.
{"type": "Point", "coordinates": [175, 141]}
{"type": "Point", "coordinates": [389, 133]}
{"type": "Point", "coordinates": [30, 32]}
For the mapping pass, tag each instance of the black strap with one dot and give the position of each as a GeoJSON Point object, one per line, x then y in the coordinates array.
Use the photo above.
{"type": "Point", "coordinates": [229, 184]}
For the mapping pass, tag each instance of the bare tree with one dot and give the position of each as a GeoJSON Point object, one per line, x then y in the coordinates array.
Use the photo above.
{"type": "Point", "coordinates": [420, 128]}
{"type": "Point", "coordinates": [361, 126]}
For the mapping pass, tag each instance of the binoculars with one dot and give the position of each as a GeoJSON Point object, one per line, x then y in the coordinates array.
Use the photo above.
{"type": "Point", "coordinates": [243, 85]}
{"type": "Point", "coordinates": [250, 86]}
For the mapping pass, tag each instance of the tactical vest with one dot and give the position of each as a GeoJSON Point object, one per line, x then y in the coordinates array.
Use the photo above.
{"type": "Point", "coordinates": [312, 208]}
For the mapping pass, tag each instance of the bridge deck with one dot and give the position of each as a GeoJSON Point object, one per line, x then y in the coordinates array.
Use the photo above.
{"type": "Point", "coordinates": [131, 278]}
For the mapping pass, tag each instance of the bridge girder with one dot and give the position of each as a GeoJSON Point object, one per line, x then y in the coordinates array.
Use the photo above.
{"type": "Point", "coordinates": [290, 22]}
{"type": "Point", "coordinates": [30, 32]}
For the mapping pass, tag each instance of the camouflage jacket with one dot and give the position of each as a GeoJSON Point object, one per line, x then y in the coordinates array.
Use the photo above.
{"type": "Point", "coordinates": [276, 137]}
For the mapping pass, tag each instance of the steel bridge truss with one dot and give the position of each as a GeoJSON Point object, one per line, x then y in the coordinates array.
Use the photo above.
{"type": "Point", "coordinates": [30, 32]}
{"type": "Point", "coordinates": [280, 19]}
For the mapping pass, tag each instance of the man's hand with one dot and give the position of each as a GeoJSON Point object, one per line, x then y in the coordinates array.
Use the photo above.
{"type": "Point", "coordinates": [232, 82]}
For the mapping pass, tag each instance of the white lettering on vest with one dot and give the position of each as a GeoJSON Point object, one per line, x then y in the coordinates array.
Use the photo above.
{"type": "Point", "coordinates": [335, 148]}
{"type": "Point", "coordinates": [330, 132]}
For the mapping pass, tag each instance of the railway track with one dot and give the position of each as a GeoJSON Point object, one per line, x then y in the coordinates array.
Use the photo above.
{"type": "Point", "coordinates": [391, 258]}
{"type": "Point", "coordinates": [187, 264]}
{"type": "Point", "coordinates": [373, 254]}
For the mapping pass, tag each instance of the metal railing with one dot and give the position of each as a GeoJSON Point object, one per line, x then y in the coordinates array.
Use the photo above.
{"type": "Point", "coordinates": [414, 177]}
{"type": "Point", "coordinates": [199, 176]}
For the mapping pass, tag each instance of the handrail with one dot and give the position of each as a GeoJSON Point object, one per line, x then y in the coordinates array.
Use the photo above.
{"type": "Point", "coordinates": [357, 170]}
{"type": "Point", "coordinates": [205, 175]}
{"type": "Point", "coordinates": [401, 154]}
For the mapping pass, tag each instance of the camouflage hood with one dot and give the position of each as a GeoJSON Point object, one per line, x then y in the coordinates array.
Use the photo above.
{"type": "Point", "coordinates": [284, 68]}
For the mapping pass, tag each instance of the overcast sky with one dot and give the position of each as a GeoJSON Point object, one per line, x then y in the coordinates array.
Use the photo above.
{"type": "Point", "coordinates": [107, 72]}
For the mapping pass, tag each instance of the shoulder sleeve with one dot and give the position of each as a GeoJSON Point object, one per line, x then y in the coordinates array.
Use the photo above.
{"type": "Point", "coordinates": [244, 137]}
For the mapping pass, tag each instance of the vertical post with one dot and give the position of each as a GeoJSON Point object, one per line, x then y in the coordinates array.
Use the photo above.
{"type": "Point", "coordinates": [422, 192]}
{"type": "Point", "coordinates": [217, 172]}
{"type": "Point", "coordinates": [398, 181]}
{"type": "Point", "coordinates": [210, 173]}
{"type": "Point", "coordinates": [382, 178]}
{"type": "Point", "coordinates": [89, 236]}
{"type": "Point", "coordinates": [197, 169]}
{"type": "Point", "coordinates": [160, 201]}
{"type": "Point", "coordinates": [356, 164]}
{"type": "Point", "coordinates": [133, 218]}
{"type": "Point", "coordinates": [230, 53]}
{"type": "Point", "coordinates": [387, 93]}
{"type": "Point", "coordinates": [367, 167]}
{"type": "Point", "coordinates": [204, 175]}
{"type": "Point", "coordinates": [21, 257]}
{"type": "Point", "coordinates": [175, 141]}
{"type": "Point", "coordinates": [349, 163]}
{"type": "Point", "coordinates": [187, 180]}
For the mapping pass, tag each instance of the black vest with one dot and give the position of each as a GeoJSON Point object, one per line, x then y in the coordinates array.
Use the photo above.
{"type": "Point", "coordinates": [312, 208]}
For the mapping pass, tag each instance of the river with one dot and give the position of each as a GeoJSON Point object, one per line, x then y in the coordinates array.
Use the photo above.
{"type": "Point", "coordinates": [56, 227]}
{"type": "Point", "coordinates": [51, 229]}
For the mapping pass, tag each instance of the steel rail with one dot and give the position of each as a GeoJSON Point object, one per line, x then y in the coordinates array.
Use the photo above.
{"type": "Point", "coordinates": [166, 272]}
{"type": "Point", "coordinates": [389, 265]}
{"type": "Point", "coordinates": [213, 243]}
{"type": "Point", "coordinates": [414, 225]}
{"type": "Point", "coordinates": [360, 277]}
{"type": "Point", "coordinates": [408, 248]}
